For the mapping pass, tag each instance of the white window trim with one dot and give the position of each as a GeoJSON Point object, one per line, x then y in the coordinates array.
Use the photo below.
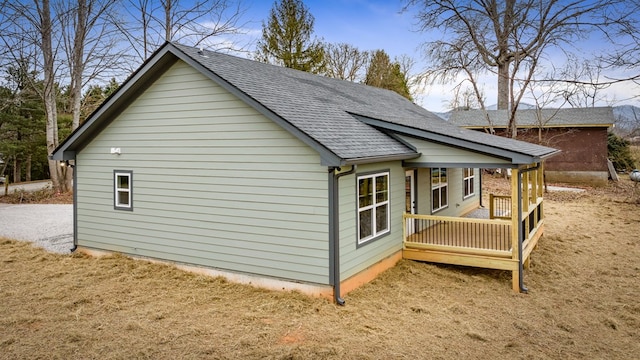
{"type": "Point", "coordinates": [373, 207]}
{"type": "Point", "coordinates": [116, 191]}
{"type": "Point", "coordinates": [439, 187]}
{"type": "Point", "coordinates": [468, 179]}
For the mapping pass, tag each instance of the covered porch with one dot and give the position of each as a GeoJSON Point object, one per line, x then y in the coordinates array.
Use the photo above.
{"type": "Point", "coordinates": [504, 239]}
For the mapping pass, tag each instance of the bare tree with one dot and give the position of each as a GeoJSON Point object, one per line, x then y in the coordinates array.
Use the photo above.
{"type": "Point", "coordinates": [45, 27]}
{"type": "Point", "coordinates": [345, 61]}
{"type": "Point", "coordinates": [87, 34]}
{"type": "Point", "coordinates": [457, 63]}
{"type": "Point", "coordinates": [509, 38]}
{"type": "Point", "coordinates": [90, 46]}
{"type": "Point", "coordinates": [61, 37]}
{"type": "Point", "coordinates": [136, 30]}
{"type": "Point", "coordinates": [407, 65]}
{"type": "Point", "coordinates": [586, 93]}
{"type": "Point", "coordinates": [75, 42]}
{"type": "Point", "coordinates": [210, 22]}
{"type": "Point", "coordinates": [465, 98]}
{"type": "Point", "coordinates": [627, 123]}
{"type": "Point", "coordinates": [27, 32]}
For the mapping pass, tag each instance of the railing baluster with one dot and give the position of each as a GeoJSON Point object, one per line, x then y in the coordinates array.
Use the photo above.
{"type": "Point", "coordinates": [461, 232]}
{"type": "Point", "coordinates": [476, 235]}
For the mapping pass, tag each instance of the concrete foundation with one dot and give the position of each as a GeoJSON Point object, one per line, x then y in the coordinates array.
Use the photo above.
{"type": "Point", "coordinates": [588, 178]}
{"type": "Point", "coordinates": [317, 290]}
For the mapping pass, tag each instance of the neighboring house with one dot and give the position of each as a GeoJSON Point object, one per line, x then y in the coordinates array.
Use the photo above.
{"type": "Point", "coordinates": [580, 133]}
{"type": "Point", "coordinates": [286, 179]}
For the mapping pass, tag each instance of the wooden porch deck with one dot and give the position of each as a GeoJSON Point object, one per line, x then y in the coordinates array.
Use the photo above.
{"type": "Point", "coordinates": [486, 243]}
{"type": "Point", "coordinates": [492, 243]}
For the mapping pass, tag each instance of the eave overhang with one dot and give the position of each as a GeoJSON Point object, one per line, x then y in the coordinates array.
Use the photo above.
{"type": "Point", "coordinates": [516, 158]}
{"type": "Point", "coordinates": [377, 159]}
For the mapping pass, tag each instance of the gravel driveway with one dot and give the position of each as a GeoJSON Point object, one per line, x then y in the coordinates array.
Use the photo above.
{"type": "Point", "coordinates": [47, 226]}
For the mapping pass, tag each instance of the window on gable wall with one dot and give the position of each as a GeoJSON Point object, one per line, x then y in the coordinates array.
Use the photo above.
{"type": "Point", "coordinates": [373, 206]}
{"type": "Point", "coordinates": [439, 189]}
{"type": "Point", "coordinates": [468, 182]}
{"type": "Point", "coordinates": [122, 190]}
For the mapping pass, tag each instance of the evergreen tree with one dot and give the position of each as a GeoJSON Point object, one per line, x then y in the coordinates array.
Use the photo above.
{"type": "Point", "coordinates": [286, 38]}
{"type": "Point", "coordinates": [95, 96]}
{"type": "Point", "coordinates": [384, 73]}
{"type": "Point", "coordinates": [22, 136]}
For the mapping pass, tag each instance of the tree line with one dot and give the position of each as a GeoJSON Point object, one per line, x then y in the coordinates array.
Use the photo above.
{"type": "Point", "coordinates": [555, 52]}
{"type": "Point", "coordinates": [287, 40]}
{"type": "Point", "coordinates": [69, 52]}
{"type": "Point", "coordinates": [59, 58]}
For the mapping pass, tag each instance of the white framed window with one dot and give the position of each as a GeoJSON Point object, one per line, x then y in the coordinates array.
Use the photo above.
{"type": "Point", "coordinates": [373, 206]}
{"type": "Point", "coordinates": [439, 189]}
{"type": "Point", "coordinates": [468, 182]}
{"type": "Point", "coordinates": [123, 190]}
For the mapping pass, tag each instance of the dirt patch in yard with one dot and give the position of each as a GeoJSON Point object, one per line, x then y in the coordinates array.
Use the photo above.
{"type": "Point", "coordinates": [584, 284]}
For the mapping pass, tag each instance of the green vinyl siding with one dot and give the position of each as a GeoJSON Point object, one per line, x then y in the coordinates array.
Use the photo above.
{"type": "Point", "coordinates": [215, 184]}
{"type": "Point", "coordinates": [456, 160]}
{"type": "Point", "coordinates": [354, 258]}
{"type": "Point", "coordinates": [457, 205]}
{"type": "Point", "coordinates": [438, 153]}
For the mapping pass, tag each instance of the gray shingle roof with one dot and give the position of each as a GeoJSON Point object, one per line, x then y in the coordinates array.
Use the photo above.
{"type": "Point", "coordinates": [321, 107]}
{"type": "Point", "coordinates": [317, 105]}
{"type": "Point", "coordinates": [346, 122]}
{"type": "Point", "coordinates": [597, 116]}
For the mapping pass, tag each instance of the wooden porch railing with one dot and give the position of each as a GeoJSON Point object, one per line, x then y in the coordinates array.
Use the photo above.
{"type": "Point", "coordinates": [487, 237]}
{"type": "Point", "coordinates": [500, 207]}
{"type": "Point", "coordinates": [489, 243]}
{"type": "Point", "coordinates": [532, 225]}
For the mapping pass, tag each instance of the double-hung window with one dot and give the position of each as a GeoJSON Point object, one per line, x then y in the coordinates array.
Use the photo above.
{"type": "Point", "coordinates": [468, 182]}
{"type": "Point", "coordinates": [373, 206]}
{"type": "Point", "coordinates": [439, 189]}
{"type": "Point", "coordinates": [122, 190]}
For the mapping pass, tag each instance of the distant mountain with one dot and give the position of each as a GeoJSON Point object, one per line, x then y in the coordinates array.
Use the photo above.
{"type": "Point", "coordinates": [443, 115]}
{"type": "Point", "coordinates": [626, 112]}
{"type": "Point", "coordinates": [627, 119]}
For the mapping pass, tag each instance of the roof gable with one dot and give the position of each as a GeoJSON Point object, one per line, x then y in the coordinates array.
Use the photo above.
{"type": "Point", "coordinates": [332, 116]}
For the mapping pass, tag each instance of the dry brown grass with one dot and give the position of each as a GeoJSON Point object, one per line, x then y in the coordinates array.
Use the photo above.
{"type": "Point", "coordinates": [43, 196]}
{"type": "Point", "coordinates": [583, 303]}
{"type": "Point", "coordinates": [635, 153]}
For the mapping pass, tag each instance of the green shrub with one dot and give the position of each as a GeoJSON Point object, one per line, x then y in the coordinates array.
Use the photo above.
{"type": "Point", "coordinates": [619, 152]}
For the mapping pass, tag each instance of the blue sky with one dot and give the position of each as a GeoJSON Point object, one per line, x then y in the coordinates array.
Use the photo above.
{"type": "Point", "coordinates": [366, 24]}
{"type": "Point", "coordinates": [369, 25]}
{"type": "Point", "coordinates": [379, 24]}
